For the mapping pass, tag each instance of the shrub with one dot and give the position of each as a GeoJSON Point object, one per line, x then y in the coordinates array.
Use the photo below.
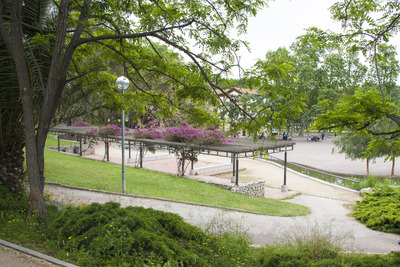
{"type": "Point", "coordinates": [9, 203]}
{"type": "Point", "coordinates": [110, 235]}
{"type": "Point", "coordinates": [186, 134]}
{"type": "Point", "coordinates": [152, 132]}
{"type": "Point", "coordinates": [380, 210]}
{"type": "Point", "coordinates": [110, 130]}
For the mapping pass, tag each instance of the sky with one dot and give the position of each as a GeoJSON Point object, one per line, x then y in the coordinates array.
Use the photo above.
{"type": "Point", "coordinates": [281, 22]}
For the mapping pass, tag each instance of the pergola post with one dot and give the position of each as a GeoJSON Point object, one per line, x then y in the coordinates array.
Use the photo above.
{"type": "Point", "coordinates": [183, 162]}
{"type": "Point", "coordinates": [129, 149]}
{"type": "Point", "coordinates": [237, 171]}
{"type": "Point", "coordinates": [80, 145]}
{"type": "Point", "coordinates": [107, 150]}
{"type": "Point", "coordinates": [233, 167]}
{"type": "Point", "coordinates": [192, 163]}
{"type": "Point", "coordinates": [141, 155]}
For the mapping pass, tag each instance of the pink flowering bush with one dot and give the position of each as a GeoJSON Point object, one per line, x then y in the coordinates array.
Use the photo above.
{"type": "Point", "coordinates": [92, 131]}
{"type": "Point", "coordinates": [183, 134]}
{"type": "Point", "coordinates": [152, 132]}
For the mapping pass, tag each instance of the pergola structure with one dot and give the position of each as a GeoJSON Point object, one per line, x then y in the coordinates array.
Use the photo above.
{"type": "Point", "coordinates": [239, 148]}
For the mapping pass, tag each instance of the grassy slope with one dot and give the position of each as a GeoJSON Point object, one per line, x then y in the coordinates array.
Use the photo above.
{"type": "Point", "coordinates": [71, 170]}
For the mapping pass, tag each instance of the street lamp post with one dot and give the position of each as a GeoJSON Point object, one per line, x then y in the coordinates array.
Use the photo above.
{"type": "Point", "coordinates": [123, 84]}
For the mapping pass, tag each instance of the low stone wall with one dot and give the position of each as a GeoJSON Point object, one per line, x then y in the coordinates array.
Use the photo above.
{"type": "Point", "coordinates": [255, 189]}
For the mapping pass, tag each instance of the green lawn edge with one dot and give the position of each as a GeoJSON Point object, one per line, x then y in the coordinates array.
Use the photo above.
{"type": "Point", "coordinates": [86, 173]}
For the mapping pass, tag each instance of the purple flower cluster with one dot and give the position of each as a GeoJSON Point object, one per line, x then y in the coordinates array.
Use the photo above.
{"type": "Point", "coordinates": [183, 134]}
{"type": "Point", "coordinates": [80, 124]}
{"type": "Point", "coordinates": [93, 131]}
{"type": "Point", "coordinates": [152, 132]}
{"type": "Point", "coordinates": [111, 130]}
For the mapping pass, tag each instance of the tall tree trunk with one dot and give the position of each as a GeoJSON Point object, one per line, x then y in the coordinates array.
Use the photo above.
{"type": "Point", "coordinates": [367, 166]}
{"type": "Point", "coordinates": [293, 128]}
{"type": "Point", "coordinates": [393, 163]}
{"type": "Point", "coordinates": [36, 179]}
{"type": "Point", "coordinates": [301, 133]}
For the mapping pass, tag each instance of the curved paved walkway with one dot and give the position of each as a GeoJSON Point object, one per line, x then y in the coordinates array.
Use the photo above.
{"type": "Point", "coordinates": [327, 216]}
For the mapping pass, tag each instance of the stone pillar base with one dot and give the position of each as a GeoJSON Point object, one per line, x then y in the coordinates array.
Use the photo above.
{"type": "Point", "coordinates": [284, 188]}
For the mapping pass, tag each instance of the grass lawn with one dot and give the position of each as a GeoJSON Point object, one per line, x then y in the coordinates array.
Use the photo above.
{"type": "Point", "coordinates": [75, 171]}
{"type": "Point", "coordinates": [52, 141]}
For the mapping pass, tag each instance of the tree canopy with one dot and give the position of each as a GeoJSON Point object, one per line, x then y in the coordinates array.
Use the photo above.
{"type": "Point", "coordinates": [130, 34]}
{"type": "Point", "coordinates": [368, 25]}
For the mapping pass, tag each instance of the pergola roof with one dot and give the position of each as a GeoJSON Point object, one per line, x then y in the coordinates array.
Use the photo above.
{"type": "Point", "coordinates": [242, 147]}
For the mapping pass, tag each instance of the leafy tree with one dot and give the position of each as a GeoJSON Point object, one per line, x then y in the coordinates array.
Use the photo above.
{"type": "Point", "coordinates": [354, 146]}
{"type": "Point", "coordinates": [324, 71]}
{"type": "Point", "coordinates": [278, 104]}
{"type": "Point", "coordinates": [121, 27]}
{"type": "Point", "coordinates": [381, 147]}
{"type": "Point", "coordinates": [369, 25]}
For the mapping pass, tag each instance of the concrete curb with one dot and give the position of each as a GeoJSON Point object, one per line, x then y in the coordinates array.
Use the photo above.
{"type": "Point", "coordinates": [151, 158]}
{"type": "Point", "coordinates": [36, 254]}
{"type": "Point", "coordinates": [211, 169]}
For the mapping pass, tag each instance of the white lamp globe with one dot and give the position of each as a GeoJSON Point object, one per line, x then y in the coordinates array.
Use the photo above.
{"type": "Point", "coordinates": [122, 82]}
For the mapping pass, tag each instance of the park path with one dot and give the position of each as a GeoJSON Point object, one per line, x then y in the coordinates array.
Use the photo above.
{"type": "Point", "coordinates": [328, 216]}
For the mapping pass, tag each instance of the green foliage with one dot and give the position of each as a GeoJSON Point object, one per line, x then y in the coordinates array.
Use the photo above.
{"type": "Point", "coordinates": [111, 235]}
{"type": "Point", "coordinates": [289, 255]}
{"type": "Point", "coordinates": [353, 145]}
{"type": "Point", "coordinates": [276, 102]}
{"type": "Point", "coordinates": [9, 202]}
{"type": "Point", "coordinates": [12, 173]}
{"type": "Point", "coordinates": [107, 235]}
{"type": "Point", "coordinates": [281, 255]}
{"type": "Point", "coordinates": [368, 26]}
{"type": "Point", "coordinates": [370, 181]}
{"type": "Point", "coordinates": [380, 210]}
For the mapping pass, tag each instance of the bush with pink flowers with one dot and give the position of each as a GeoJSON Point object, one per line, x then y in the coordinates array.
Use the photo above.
{"type": "Point", "coordinates": [152, 132]}
{"type": "Point", "coordinates": [183, 134]}
{"type": "Point", "coordinates": [110, 130]}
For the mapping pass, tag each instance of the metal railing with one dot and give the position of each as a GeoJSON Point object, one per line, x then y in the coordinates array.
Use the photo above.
{"type": "Point", "coordinates": [324, 176]}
